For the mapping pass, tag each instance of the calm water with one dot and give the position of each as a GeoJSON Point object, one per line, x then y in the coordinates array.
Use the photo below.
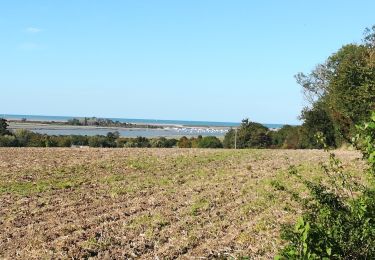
{"type": "Point", "coordinates": [169, 132]}
{"type": "Point", "coordinates": [188, 128]}
{"type": "Point", "coordinates": [134, 120]}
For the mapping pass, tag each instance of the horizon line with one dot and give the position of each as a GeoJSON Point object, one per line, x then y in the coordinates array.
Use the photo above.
{"type": "Point", "coordinates": [151, 119]}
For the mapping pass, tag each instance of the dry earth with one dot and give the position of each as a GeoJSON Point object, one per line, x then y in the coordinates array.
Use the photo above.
{"type": "Point", "coordinates": [151, 203]}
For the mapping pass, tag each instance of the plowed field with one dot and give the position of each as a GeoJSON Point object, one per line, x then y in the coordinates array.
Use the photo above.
{"type": "Point", "coordinates": [151, 203]}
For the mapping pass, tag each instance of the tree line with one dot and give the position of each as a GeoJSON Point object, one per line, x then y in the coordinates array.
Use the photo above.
{"type": "Point", "coordinates": [248, 135]}
{"type": "Point", "coordinates": [26, 138]}
{"type": "Point", "coordinates": [105, 122]}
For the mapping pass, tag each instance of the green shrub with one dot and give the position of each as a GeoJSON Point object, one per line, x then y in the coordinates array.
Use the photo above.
{"type": "Point", "coordinates": [249, 135]}
{"type": "Point", "coordinates": [210, 142]}
{"type": "Point", "coordinates": [184, 142]}
{"type": "Point", "coordinates": [4, 127]}
{"type": "Point", "coordinates": [163, 142]}
{"type": "Point", "coordinates": [337, 224]}
{"type": "Point", "coordinates": [8, 141]}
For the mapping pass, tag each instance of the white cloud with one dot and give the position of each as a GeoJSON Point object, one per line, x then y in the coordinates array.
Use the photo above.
{"type": "Point", "coordinates": [33, 30]}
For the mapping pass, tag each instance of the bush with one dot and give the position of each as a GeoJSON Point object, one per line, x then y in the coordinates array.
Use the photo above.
{"type": "Point", "coordinates": [163, 142]}
{"type": "Point", "coordinates": [184, 142]}
{"type": "Point", "coordinates": [3, 127]}
{"type": "Point", "coordinates": [337, 224]}
{"type": "Point", "coordinates": [8, 141]}
{"type": "Point", "coordinates": [140, 142]}
{"type": "Point", "coordinates": [210, 142]}
{"type": "Point", "coordinates": [23, 136]}
{"type": "Point", "coordinates": [249, 135]}
{"type": "Point", "coordinates": [98, 141]}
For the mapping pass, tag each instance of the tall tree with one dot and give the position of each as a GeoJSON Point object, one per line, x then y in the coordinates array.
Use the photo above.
{"type": "Point", "coordinates": [343, 87]}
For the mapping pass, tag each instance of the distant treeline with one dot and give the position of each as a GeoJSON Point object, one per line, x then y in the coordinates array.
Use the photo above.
{"type": "Point", "coordinates": [26, 138]}
{"type": "Point", "coordinates": [248, 135]}
{"type": "Point", "coordinates": [93, 121]}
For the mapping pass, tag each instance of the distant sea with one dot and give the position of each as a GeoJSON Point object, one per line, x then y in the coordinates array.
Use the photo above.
{"type": "Point", "coordinates": [135, 121]}
{"type": "Point", "coordinates": [172, 128]}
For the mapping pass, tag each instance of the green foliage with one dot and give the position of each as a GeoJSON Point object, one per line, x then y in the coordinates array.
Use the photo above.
{"type": "Point", "coordinates": [288, 137]}
{"type": "Point", "coordinates": [200, 142]}
{"type": "Point", "coordinates": [352, 88]}
{"type": "Point", "coordinates": [316, 120]}
{"type": "Point", "coordinates": [101, 141]}
{"type": "Point", "coordinates": [184, 142]}
{"type": "Point", "coordinates": [365, 141]}
{"type": "Point", "coordinates": [339, 218]}
{"type": "Point", "coordinates": [74, 121]}
{"type": "Point", "coordinates": [26, 138]}
{"type": "Point", "coordinates": [141, 142]}
{"type": "Point", "coordinates": [3, 127]}
{"type": "Point", "coordinates": [93, 121]}
{"type": "Point", "coordinates": [8, 141]}
{"type": "Point", "coordinates": [210, 142]}
{"type": "Point", "coordinates": [23, 136]}
{"type": "Point", "coordinates": [163, 142]}
{"type": "Point", "coordinates": [249, 135]}
{"type": "Point", "coordinates": [341, 91]}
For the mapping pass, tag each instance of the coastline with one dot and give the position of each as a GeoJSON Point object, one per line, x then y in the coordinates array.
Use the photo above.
{"type": "Point", "coordinates": [137, 127]}
{"type": "Point", "coordinates": [169, 130]}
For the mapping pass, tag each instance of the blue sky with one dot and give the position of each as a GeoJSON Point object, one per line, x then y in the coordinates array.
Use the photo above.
{"type": "Point", "coordinates": [206, 60]}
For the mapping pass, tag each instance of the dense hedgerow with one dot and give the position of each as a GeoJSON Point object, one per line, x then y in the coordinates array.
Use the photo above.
{"type": "Point", "coordinates": [25, 138]}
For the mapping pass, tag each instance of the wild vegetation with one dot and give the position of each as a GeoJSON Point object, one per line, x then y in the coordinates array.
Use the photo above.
{"type": "Point", "coordinates": [339, 218]}
{"type": "Point", "coordinates": [25, 138]}
{"type": "Point", "coordinates": [339, 215]}
{"type": "Point", "coordinates": [90, 121]}
{"type": "Point", "coordinates": [94, 121]}
{"type": "Point", "coordinates": [200, 142]}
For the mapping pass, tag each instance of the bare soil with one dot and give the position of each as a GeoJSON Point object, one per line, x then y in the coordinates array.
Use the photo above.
{"type": "Point", "coordinates": [151, 203]}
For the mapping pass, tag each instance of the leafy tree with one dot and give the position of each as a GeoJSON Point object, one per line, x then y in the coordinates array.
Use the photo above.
{"type": "Point", "coordinates": [184, 142]}
{"type": "Point", "coordinates": [288, 137]}
{"type": "Point", "coordinates": [112, 139]}
{"type": "Point", "coordinates": [140, 142]}
{"type": "Point", "coordinates": [210, 142]}
{"type": "Point", "coordinates": [79, 140]}
{"type": "Point", "coordinates": [3, 127]}
{"type": "Point", "coordinates": [195, 141]}
{"type": "Point", "coordinates": [74, 121]}
{"type": "Point", "coordinates": [163, 142]}
{"type": "Point", "coordinates": [63, 141]}
{"type": "Point", "coordinates": [249, 135]}
{"type": "Point", "coordinates": [316, 120]}
{"type": "Point", "coordinates": [98, 141]}
{"type": "Point", "coordinates": [344, 87]}
{"type": "Point", "coordinates": [229, 137]}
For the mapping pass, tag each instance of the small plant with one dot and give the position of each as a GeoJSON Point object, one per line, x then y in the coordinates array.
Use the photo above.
{"type": "Point", "coordinates": [337, 224]}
